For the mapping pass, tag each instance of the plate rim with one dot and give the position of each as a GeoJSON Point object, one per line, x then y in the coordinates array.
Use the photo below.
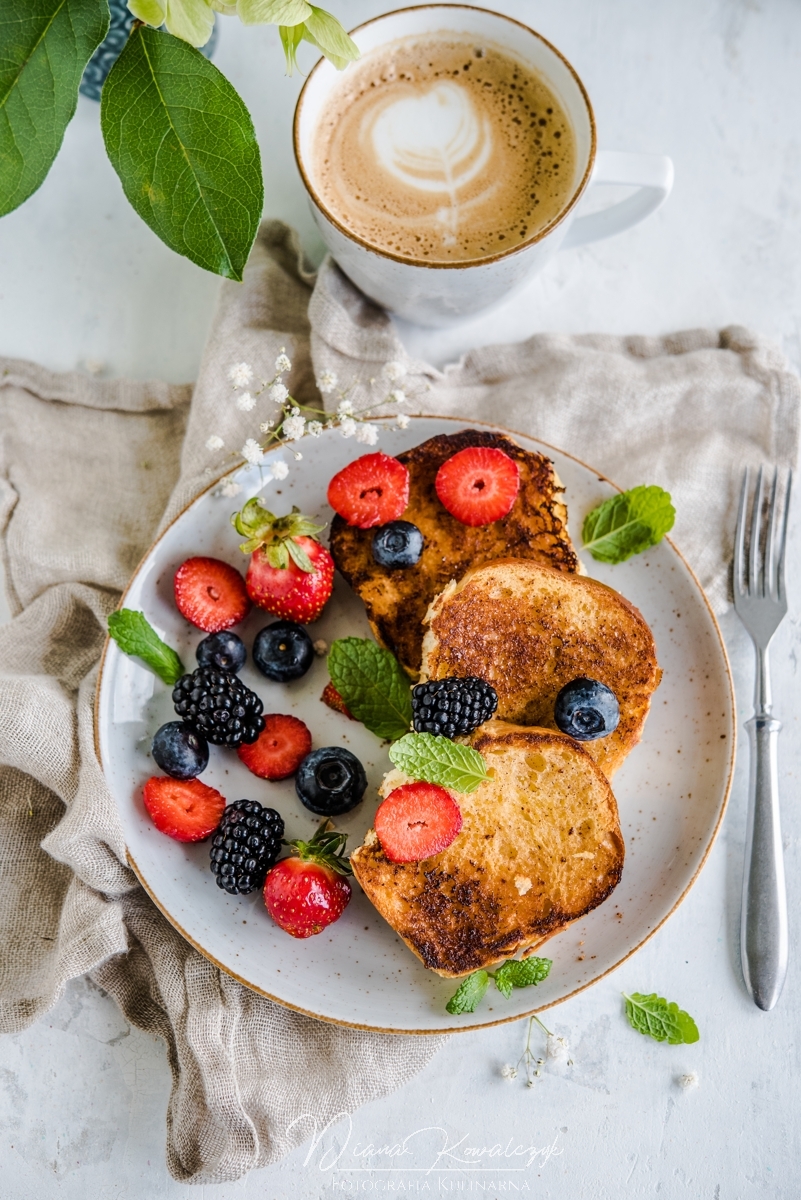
{"type": "Point", "coordinates": [437, 1032]}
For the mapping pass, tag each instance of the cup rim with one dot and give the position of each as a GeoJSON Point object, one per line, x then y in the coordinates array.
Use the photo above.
{"type": "Point", "coordinates": [406, 259]}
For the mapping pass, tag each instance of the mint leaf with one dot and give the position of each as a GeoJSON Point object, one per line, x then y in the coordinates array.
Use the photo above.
{"type": "Point", "coordinates": [44, 47]}
{"type": "Point", "coordinates": [469, 994]}
{"type": "Point", "coordinates": [655, 1017]}
{"type": "Point", "coordinates": [628, 524]}
{"type": "Point", "coordinates": [520, 973]}
{"type": "Point", "coordinates": [439, 760]}
{"type": "Point", "coordinates": [374, 687]}
{"type": "Point", "coordinates": [134, 635]}
{"type": "Point", "coordinates": [183, 144]}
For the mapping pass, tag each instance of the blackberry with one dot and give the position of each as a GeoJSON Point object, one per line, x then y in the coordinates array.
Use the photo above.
{"type": "Point", "coordinates": [218, 706]}
{"type": "Point", "coordinates": [245, 846]}
{"type": "Point", "coordinates": [452, 706]}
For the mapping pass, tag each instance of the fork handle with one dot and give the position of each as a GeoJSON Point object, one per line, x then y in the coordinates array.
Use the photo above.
{"type": "Point", "coordinates": [763, 921]}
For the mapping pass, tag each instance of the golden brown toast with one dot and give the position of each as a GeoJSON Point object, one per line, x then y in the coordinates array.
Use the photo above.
{"type": "Point", "coordinates": [397, 600]}
{"type": "Point", "coordinates": [528, 630]}
{"type": "Point", "coordinates": [540, 846]}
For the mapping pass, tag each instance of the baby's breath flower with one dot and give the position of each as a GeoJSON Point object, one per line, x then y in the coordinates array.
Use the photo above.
{"type": "Point", "coordinates": [530, 1083]}
{"type": "Point", "coordinates": [347, 427]}
{"type": "Point", "coordinates": [241, 374]}
{"type": "Point", "coordinates": [252, 452]}
{"type": "Point", "coordinates": [282, 363]}
{"type": "Point", "coordinates": [327, 381]}
{"type": "Point", "coordinates": [266, 426]}
{"type": "Point", "coordinates": [214, 442]}
{"type": "Point", "coordinates": [321, 647]}
{"type": "Point", "coordinates": [245, 402]}
{"type": "Point", "coordinates": [508, 1072]}
{"type": "Point", "coordinates": [393, 371]}
{"type": "Point", "coordinates": [689, 1081]}
{"type": "Point", "coordinates": [345, 408]}
{"type": "Point", "coordinates": [280, 469]}
{"type": "Point", "coordinates": [367, 434]}
{"type": "Point", "coordinates": [402, 420]}
{"type": "Point", "coordinates": [278, 393]}
{"type": "Point", "coordinates": [315, 428]}
{"type": "Point", "coordinates": [556, 1047]}
{"type": "Point", "coordinates": [230, 488]}
{"type": "Point", "coordinates": [293, 427]}
{"type": "Point", "coordinates": [397, 396]}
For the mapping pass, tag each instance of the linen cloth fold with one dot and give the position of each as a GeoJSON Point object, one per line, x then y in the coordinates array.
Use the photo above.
{"type": "Point", "coordinates": [90, 471]}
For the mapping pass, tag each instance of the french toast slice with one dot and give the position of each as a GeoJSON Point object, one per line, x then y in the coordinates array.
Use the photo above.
{"type": "Point", "coordinates": [540, 846]}
{"type": "Point", "coordinates": [528, 630]}
{"type": "Point", "coordinates": [396, 600]}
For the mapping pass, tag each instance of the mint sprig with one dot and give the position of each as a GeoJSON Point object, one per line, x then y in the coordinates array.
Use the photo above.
{"type": "Point", "coordinates": [628, 524]}
{"type": "Point", "coordinates": [514, 973]}
{"type": "Point", "coordinates": [654, 1017]}
{"type": "Point", "coordinates": [436, 759]}
{"type": "Point", "coordinates": [373, 685]}
{"type": "Point", "coordinates": [136, 636]}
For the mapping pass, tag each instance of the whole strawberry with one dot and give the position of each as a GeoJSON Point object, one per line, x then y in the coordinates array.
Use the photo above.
{"type": "Point", "coordinates": [290, 573]}
{"type": "Point", "coordinates": [308, 891]}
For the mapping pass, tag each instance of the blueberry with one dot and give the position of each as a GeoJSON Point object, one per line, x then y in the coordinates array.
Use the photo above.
{"type": "Point", "coordinates": [283, 651]}
{"type": "Point", "coordinates": [225, 651]}
{"type": "Point", "coordinates": [398, 544]}
{"type": "Point", "coordinates": [330, 781]}
{"type": "Point", "coordinates": [586, 709]}
{"type": "Point", "coordinates": [180, 751]}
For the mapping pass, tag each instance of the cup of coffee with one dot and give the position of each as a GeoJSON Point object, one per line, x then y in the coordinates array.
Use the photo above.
{"type": "Point", "coordinates": [444, 167]}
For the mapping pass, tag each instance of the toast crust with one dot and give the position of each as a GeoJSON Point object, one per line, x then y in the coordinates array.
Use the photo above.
{"type": "Point", "coordinates": [540, 846]}
{"type": "Point", "coordinates": [529, 630]}
{"type": "Point", "coordinates": [396, 600]}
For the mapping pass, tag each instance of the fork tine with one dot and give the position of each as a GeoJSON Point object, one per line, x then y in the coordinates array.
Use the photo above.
{"type": "Point", "coordinates": [783, 539]}
{"type": "Point", "coordinates": [739, 539]}
{"type": "Point", "coordinates": [756, 523]}
{"type": "Point", "coordinates": [770, 588]}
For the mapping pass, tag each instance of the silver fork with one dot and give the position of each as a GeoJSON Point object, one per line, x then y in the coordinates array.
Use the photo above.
{"type": "Point", "coordinates": [761, 603]}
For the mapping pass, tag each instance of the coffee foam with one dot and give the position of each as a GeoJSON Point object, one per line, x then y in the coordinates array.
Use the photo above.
{"type": "Point", "coordinates": [441, 150]}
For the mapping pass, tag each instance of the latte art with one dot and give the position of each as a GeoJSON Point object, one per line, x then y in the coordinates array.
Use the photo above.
{"type": "Point", "coordinates": [440, 151]}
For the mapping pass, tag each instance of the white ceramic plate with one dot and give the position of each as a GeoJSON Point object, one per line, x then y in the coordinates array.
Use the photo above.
{"type": "Point", "coordinates": [671, 791]}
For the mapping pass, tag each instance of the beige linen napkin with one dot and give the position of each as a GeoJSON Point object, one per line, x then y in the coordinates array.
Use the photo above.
{"type": "Point", "coordinates": [87, 472]}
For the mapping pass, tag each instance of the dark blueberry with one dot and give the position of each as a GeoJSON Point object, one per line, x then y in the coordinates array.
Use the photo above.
{"type": "Point", "coordinates": [225, 651]}
{"type": "Point", "coordinates": [180, 751]}
{"type": "Point", "coordinates": [398, 544]}
{"type": "Point", "coordinates": [330, 781]}
{"type": "Point", "coordinates": [586, 709]}
{"type": "Point", "coordinates": [283, 651]}
{"type": "Point", "coordinates": [451, 707]}
{"type": "Point", "coordinates": [245, 846]}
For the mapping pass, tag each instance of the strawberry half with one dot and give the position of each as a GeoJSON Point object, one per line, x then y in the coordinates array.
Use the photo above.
{"type": "Point", "coordinates": [184, 809]}
{"type": "Point", "coordinates": [370, 491]}
{"type": "Point", "coordinates": [290, 573]}
{"type": "Point", "coordinates": [416, 821]}
{"type": "Point", "coordinates": [307, 892]}
{"type": "Point", "coordinates": [478, 485]}
{"type": "Point", "coordinates": [211, 594]}
{"type": "Point", "coordinates": [279, 749]}
{"type": "Point", "coordinates": [332, 698]}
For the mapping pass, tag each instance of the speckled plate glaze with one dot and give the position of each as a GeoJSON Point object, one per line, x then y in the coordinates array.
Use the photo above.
{"type": "Point", "coordinates": [672, 790]}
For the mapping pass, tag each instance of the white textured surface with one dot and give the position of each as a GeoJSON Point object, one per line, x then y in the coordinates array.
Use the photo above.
{"type": "Point", "coordinates": [716, 84]}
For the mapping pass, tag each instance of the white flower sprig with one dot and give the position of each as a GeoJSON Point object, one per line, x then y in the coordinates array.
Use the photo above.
{"type": "Point", "coordinates": [294, 420]}
{"type": "Point", "coordinates": [556, 1048]}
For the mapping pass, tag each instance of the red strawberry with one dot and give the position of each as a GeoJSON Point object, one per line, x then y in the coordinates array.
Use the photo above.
{"type": "Point", "coordinates": [279, 749]}
{"type": "Point", "coordinates": [478, 485]}
{"type": "Point", "coordinates": [416, 821]}
{"type": "Point", "coordinates": [290, 574]}
{"type": "Point", "coordinates": [184, 809]}
{"type": "Point", "coordinates": [211, 594]}
{"type": "Point", "coordinates": [332, 698]}
{"type": "Point", "coordinates": [307, 892]}
{"type": "Point", "coordinates": [370, 491]}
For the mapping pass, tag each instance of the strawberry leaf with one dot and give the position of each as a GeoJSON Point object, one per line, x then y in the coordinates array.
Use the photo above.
{"type": "Point", "coordinates": [299, 556]}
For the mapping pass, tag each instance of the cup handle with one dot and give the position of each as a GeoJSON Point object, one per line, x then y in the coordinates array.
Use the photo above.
{"type": "Point", "coordinates": [651, 173]}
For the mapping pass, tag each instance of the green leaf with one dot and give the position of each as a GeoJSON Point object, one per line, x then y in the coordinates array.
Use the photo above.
{"type": "Point", "coordinates": [439, 760]}
{"type": "Point", "coordinates": [372, 685]}
{"type": "Point", "coordinates": [655, 1017]}
{"type": "Point", "coordinates": [183, 145]}
{"type": "Point", "coordinates": [190, 20]}
{"type": "Point", "coordinates": [152, 12]}
{"type": "Point", "coordinates": [291, 37]}
{"type": "Point", "coordinates": [628, 524]}
{"type": "Point", "coordinates": [273, 12]}
{"type": "Point", "coordinates": [469, 994]}
{"type": "Point", "coordinates": [44, 48]}
{"type": "Point", "coordinates": [134, 635]}
{"type": "Point", "coordinates": [520, 973]}
{"type": "Point", "coordinates": [326, 33]}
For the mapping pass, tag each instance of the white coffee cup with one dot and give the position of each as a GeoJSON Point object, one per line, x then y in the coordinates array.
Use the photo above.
{"type": "Point", "coordinates": [437, 294]}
